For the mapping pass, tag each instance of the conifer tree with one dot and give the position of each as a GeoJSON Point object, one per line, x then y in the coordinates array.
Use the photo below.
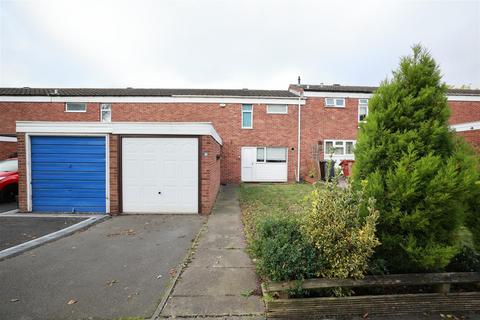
{"type": "Point", "coordinates": [408, 159]}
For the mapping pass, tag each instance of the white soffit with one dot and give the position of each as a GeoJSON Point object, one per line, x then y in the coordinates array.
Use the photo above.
{"type": "Point", "coordinates": [467, 126]}
{"type": "Point", "coordinates": [160, 128]}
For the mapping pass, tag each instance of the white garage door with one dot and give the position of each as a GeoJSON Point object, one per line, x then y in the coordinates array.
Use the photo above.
{"type": "Point", "coordinates": [160, 175]}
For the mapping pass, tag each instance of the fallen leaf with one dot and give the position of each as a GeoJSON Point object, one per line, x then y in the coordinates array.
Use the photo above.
{"type": "Point", "coordinates": [72, 301]}
{"type": "Point", "coordinates": [14, 300]}
{"type": "Point", "coordinates": [112, 282]}
{"type": "Point", "coordinates": [365, 316]}
{"type": "Point", "coordinates": [159, 276]}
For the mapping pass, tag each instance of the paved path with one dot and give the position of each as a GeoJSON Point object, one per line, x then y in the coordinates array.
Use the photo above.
{"type": "Point", "coordinates": [220, 281]}
{"type": "Point", "coordinates": [117, 268]}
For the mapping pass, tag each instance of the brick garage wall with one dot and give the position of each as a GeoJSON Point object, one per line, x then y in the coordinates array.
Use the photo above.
{"type": "Point", "coordinates": [472, 137]}
{"type": "Point", "coordinates": [210, 173]}
{"type": "Point", "coordinates": [114, 198]}
{"type": "Point", "coordinates": [7, 149]}
{"type": "Point", "coordinates": [22, 173]}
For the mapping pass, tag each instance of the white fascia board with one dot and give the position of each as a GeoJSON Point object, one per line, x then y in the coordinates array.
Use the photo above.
{"type": "Point", "coordinates": [8, 139]}
{"type": "Point", "coordinates": [463, 98]}
{"type": "Point", "coordinates": [172, 99]}
{"type": "Point", "coordinates": [166, 128]}
{"type": "Point", "coordinates": [467, 126]}
{"type": "Point", "coordinates": [317, 94]}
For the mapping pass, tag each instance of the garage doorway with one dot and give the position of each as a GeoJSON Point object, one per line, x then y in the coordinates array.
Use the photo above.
{"type": "Point", "coordinates": [160, 174]}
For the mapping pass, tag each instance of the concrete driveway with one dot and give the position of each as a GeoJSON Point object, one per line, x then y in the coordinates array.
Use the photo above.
{"type": "Point", "coordinates": [117, 268]}
{"type": "Point", "coordinates": [8, 206]}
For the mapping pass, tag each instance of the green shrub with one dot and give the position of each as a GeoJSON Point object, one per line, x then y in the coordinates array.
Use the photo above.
{"type": "Point", "coordinates": [281, 250]}
{"type": "Point", "coordinates": [466, 260]}
{"type": "Point", "coordinates": [409, 160]}
{"type": "Point", "coordinates": [344, 239]}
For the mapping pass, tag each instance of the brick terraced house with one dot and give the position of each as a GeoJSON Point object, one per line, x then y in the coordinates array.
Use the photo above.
{"type": "Point", "coordinates": [167, 150]}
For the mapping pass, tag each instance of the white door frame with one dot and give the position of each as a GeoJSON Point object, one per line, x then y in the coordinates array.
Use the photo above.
{"type": "Point", "coordinates": [254, 179]}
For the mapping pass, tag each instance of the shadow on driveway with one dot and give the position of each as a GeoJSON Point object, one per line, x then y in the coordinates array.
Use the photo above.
{"type": "Point", "coordinates": [117, 268]}
{"type": "Point", "coordinates": [7, 206]}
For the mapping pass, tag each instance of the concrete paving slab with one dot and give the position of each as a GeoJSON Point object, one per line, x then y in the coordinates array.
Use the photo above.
{"type": "Point", "coordinates": [118, 268]}
{"type": "Point", "coordinates": [199, 281]}
{"type": "Point", "coordinates": [221, 258]}
{"type": "Point", "coordinates": [222, 241]}
{"type": "Point", "coordinates": [214, 305]}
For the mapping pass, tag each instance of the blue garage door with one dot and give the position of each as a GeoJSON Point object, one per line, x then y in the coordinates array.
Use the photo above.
{"type": "Point", "coordinates": [68, 174]}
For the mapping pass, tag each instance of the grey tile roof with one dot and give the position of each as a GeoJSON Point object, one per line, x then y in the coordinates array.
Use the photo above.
{"type": "Point", "coordinates": [369, 89]}
{"type": "Point", "coordinates": [137, 92]}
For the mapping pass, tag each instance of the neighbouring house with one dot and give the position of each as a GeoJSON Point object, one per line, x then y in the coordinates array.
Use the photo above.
{"type": "Point", "coordinates": [168, 150]}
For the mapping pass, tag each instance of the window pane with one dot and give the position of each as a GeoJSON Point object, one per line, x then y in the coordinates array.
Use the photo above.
{"type": "Point", "coordinates": [276, 154]}
{"type": "Point", "coordinates": [349, 147]}
{"type": "Point", "coordinates": [247, 119]}
{"type": "Point", "coordinates": [260, 154]}
{"type": "Point", "coordinates": [329, 147]}
{"type": "Point", "coordinates": [76, 107]}
{"type": "Point", "coordinates": [105, 106]}
{"type": "Point", "coordinates": [277, 108]}
{"type": "Point", "coordinates": [339, 150]}
{"type": "Point", "coordinates": [106, 116]}
{"type": "Point", "coordinates": [329, 101]}
{"type": "Point", "coordinates": [339, 102]}
{"type": "Point", "coordinates": [246, 107]}
{"type": "Point", "coordinates": [9, 165]}
{"type": "Point", "coordinates": [363, 101]}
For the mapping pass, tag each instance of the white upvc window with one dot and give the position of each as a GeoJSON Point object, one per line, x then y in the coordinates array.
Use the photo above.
{"type": "Point", "coordinates": [362, 109]}
{"type": "Point", "coordinates": [277, 108]}
{"type": "Point", "coordinates": [339, 147]}
{"type": "Point", "coordinates": [272, 154]}
{"type": "Point", "coordinates": [105, 112]}
{"type": "Point", "coordinates": [247, 116]}
{"type": "Point", "coordinates": [75, 107]}
{"type": "Point", "coordinates": [335, 102]}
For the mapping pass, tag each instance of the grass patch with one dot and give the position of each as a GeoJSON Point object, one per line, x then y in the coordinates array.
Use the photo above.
{"type": "Point", "coordinates": [262, 199]}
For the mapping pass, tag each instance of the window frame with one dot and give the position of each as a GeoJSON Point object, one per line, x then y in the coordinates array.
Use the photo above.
{"type": "Point", "coordinates": [265, 155]}
{"type": "Point", "coordinates": [102, 105]}
{"type": "Point", "coordinates": [344, 147]}
{"type": "Point", "coordinates": [277, 105]}
{"type": "Point", "coordinates": [334, 105]}
{"type": "Point", "coordinates": [251, 116]}
{"type": "Point", "coordinates": [75, 111]}
{"type": "Point", "coordinates": [365, 105]}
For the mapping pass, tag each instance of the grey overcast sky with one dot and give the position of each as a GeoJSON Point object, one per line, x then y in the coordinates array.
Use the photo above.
{"type": "Point", "coordinates": [230, 43]}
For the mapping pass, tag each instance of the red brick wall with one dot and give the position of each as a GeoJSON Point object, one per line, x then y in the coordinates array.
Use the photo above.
{"type": "Point", "coordinates": [320, 123]}
{"type": "Point", "coordinates": [22, 176]}
{"type": "Point", "coordinates": [42, 111]}
{"type": "Point", "coordinates": [473, 137]}
{"type": "Point", "coordinates": [114, 199]}
{"type": "Point", "coordinates": [210, 173]}
{"type": "Point", "coordinates": [7, 149]}
{"type": "Point", "coordinates": [268, 129]}
{"type": "Point", "coordinates": [464, 111]}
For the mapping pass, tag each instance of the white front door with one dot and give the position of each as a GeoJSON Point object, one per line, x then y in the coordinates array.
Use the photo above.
{"type": "Point", "coordinates": [160, 175]}
{"type": "Point", "coordinates": [249, 157]}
